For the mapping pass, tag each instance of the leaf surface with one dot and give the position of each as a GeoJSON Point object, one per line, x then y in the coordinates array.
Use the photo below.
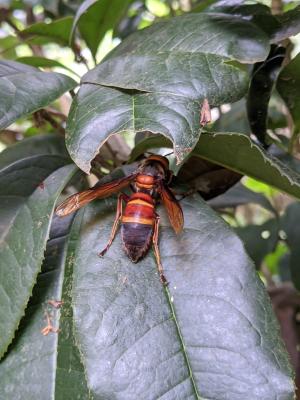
{"type": "Point", "coordinates": [43, 62]}
{"type": "Point", "coordinates": [95, 17]}
{"type": "Point", "coordinates": [29, 189]}
{"type": "Point", "coordinates": [157, 79]}
{"type": "Point", "coordinates": [98, 112]}
{"type": "Point", "coordinates": [287, 86]}
{"type": "Point", "coordinates": [220, 34]}
{"type": "Point", "coordinates": [47, 367]}
{"type": "Point", "coordinates": [57, 31]}
{"type": "Point", "coordinates": [210, 335]}
{"type": "Point", "coordinates": [289, 25]}
{"type": "Point", "coordinates": [49, 144]}
{"type": "Point", "coordinates": [25, 89]}
{"type": "Point", "coordinates": [238, 152]}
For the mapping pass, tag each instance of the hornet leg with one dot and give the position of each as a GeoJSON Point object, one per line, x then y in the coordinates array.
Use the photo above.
{"type": "Point", "coordinates": [118, 217]}
{"type": "Point", "coordinates": [156, 252]}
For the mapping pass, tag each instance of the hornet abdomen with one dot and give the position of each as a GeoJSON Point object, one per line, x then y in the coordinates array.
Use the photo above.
{"type": "Point", "coordinates": [138, 225]}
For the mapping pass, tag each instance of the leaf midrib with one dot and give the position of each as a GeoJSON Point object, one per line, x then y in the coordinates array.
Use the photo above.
{"type": "Point", "coordinates": [183, 347]}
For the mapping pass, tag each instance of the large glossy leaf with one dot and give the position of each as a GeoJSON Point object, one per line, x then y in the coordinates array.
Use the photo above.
{"type": "Point", "coordinates": [210, 335]}
{"type": "Point", "coordinates": [29, 189]}
{"type": "Point", "coordinates": [239, 153]}
{"type": "Point", "coordinates": [25, 89]}
{"type": "Point", "coordinates": [47, 367]}
{"type": "Point", "coordinates": [150, 88]}
{"type": "Point", "coordinates": [98, 112]}
{"type": "Point", "coordinates": [289, 25]}
{"type": "Point", "coordinates": [210, 33]}
{"type": "Point", "coordinates": [95, 17]}
{"type": "Point", "coordinates": [287, 86]}
{"type": "Point", "coordinates": [34, 146]}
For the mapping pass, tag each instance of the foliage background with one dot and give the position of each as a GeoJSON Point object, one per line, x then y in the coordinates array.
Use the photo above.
{"type": "Point", "coordinates": [70, 38]}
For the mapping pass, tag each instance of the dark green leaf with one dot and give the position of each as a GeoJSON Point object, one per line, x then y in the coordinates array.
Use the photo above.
{"type": "Point", "coordinates": [209, 76]}
{"type": "Point", "coordinates": [207, 178]}
{"type": "Point", "coordinates": [264, 75]}
{"type": "Point", "coordinates": [29, 188]}
{"type": "Point", "coordinates": [209, 33]}
{"type": "Point", "coordinates": [258, 14]}
{"type": "Point", "coordinates": [259, 240]}
{"type": "Point", "coordinates": [38, 366]}
{"type": "Point", "coordinates": [149, 142]}
{"type": "Point", "coordinates": [211, 334]}
{"type": "Point", "coordinates": [95, 17]}
{"type": "Point", "coordinates": [57, 31]}
{"type": "Point", "coordinates": [290, 225]}
{"type": "Point", "coordinates": [239, 195]}
{"type": "Point", "coordinates": [98, 112]}
{"type": "Point", "coordinates": [162, 95]}
{"type": "Point", "coordinates": [287, 86]}
{"type": "Point", "coordinates": [25, 89]}
{"type": "Point", "coordinates": [37, 145]}
{"type": "Point", "coordinates": [239, 153]}
{"type": "Point", "coordinates": [235, 120]}
{"type": "Point", "coordinates": [43, 62]}
{"type": "Point", "coordinates": [289, 25]}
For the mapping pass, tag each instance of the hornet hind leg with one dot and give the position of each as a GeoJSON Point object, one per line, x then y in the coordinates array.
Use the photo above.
{"type": "Point", "coordinates": [157, 253]}
{"type": "Point", "coordinates": [118, 217]}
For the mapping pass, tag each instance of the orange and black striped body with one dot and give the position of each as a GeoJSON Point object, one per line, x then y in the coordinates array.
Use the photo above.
{"type": "Point", "coordinates": [139, 218]}
{"type": "Point", "coordinates": [140, 222]}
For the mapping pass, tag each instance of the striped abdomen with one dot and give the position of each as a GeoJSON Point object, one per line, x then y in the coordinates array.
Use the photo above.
{"type": "Point", "coordinates": [137, 225]}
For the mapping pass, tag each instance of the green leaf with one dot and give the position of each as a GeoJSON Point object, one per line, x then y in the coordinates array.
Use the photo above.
{"type": "Point", "coordinates": [57, 31]}
{"type": "Point", "coordinates": [95, 17]}
{"type": "Point", "coordinates": [235, 120]}
{"type": "Point", "coordinates": [287, 85]}
{"type": "Point", "coordinates": [149, 142]}
{"type": "Point", "coordinates": [289, 224]}
{"type": "Point", "coordinates": [166, 73]}
{"type": "Point", "coordinates": [210, 334]}
{"type": "Point", "coordinates": [25, 89]}
{"type": "Point", "coordinates": [208, 179]}
{"type": "Point", "coordinates": [220, 34]}
{"type": "Point", "coordinates": [239, 195]}
{"type": "Point", "coordinates": [259, 240]}
{"type": "Point", "coordinates": [258, 14]}
{"type": "Point", "coordinates": [158, 93]}
{"type": "Point", "coordinates": [177, 117]}
{"type": "Point", "coordinates": [30, 188]}
{"type": "Point", "coordinates": [37, 145]}
{"type": "Point", "coordinates": [289, 25]}
{"type": "Point", "coordinates": [263, 78]}
{"type": "Point", "coordinates": [38, 366]}
{"type": "Point", "coordinates": [238, 152]}
{"type": "Point", "coordinates": [43, 62]}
